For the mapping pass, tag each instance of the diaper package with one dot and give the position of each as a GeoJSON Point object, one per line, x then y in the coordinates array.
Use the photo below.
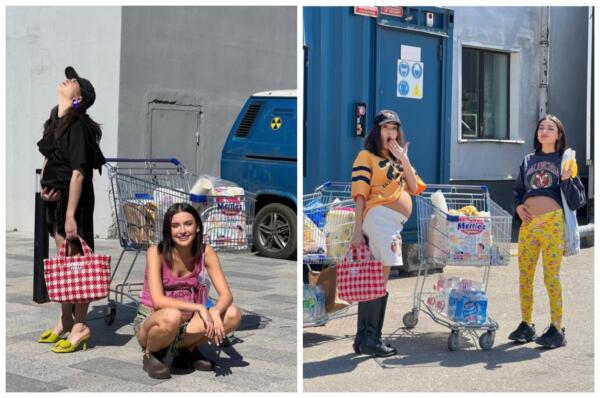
{"type": "Point", "coordinates": [469, 240]}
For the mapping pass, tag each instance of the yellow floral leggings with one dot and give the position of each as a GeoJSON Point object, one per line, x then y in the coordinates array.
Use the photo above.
{"type": "Point", "coordinates": [544, 233]}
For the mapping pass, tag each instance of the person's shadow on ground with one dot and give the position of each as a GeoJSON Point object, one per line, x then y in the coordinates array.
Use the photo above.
{"type": "Point", "coordinates": [420, 350]}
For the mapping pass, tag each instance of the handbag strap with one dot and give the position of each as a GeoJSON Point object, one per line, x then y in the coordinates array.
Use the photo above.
{"type": "Point", "coordinates": [203, 268]}
{"type": "Point", "coordinates": [87, 251]}
{"type": "Point", "coordinates": [361, 254]}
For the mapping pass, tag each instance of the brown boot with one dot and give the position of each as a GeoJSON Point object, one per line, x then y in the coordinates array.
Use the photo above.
{"type": "Point", "coordinates": [153, 363]}
{"type": "Point", "coordinates": [193, 360]}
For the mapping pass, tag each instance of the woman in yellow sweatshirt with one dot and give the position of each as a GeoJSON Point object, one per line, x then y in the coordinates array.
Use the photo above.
{"type": "Point", "coordinates": [382, 182]}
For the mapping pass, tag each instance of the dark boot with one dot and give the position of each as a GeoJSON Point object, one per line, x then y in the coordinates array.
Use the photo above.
{"type": "Point", "coordinates": [371, 344]}
{"type": "Point", "coordinates": [361, 326]}
{"type": "Point", "coordinates": [193, 360]}
{"type": "Point", "coordinates": [383, 307]}
{"type": "Point", "coordinates": [154, 364]}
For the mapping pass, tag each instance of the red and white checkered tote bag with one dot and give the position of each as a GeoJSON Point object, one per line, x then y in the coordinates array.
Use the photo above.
{"type": "Point", "coordinates": [359, 277]}
{"type": "Point", "coordinates": [77, 279]}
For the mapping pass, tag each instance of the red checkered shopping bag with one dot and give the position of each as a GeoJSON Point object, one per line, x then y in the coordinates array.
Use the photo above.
{"type": "Point", "coordinates": [359, 277]}
{"type": "Point", "coordinates": [77, 279]}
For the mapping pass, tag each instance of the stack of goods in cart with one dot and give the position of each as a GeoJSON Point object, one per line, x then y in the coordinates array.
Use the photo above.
{"type": "Point", "coordinates": [460, 236]}
{"type": "Point", "coordinates": [223, 212]}
{"type": "Point", "coordinates": [460, 300]}
{"type": "Point", "coordinates": [327, 230]}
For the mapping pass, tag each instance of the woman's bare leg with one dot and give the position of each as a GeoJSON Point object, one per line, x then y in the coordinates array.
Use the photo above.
{"type": "Point", "coordinates": [159, 330]}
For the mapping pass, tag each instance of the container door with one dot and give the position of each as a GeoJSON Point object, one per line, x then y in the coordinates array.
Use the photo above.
{"type": "Point", "coordinates": [408, 81]}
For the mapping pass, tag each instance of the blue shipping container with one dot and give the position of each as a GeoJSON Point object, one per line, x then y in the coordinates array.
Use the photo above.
{"type": "Point", "coordinates": [389, 62]}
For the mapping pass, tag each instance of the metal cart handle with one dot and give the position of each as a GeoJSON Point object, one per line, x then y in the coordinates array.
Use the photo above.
{"type": "Point", "coordinates": [153, 160]}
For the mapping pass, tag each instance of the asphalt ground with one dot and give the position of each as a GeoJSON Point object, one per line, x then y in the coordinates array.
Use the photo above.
{"type": "Point", "coordinates": [261, 357]}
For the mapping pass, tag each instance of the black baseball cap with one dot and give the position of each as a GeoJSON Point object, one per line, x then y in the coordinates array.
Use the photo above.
{"type": "Point", "coordinates": [87, 90]}
{"type": "Point", "coordinates": [386, 116]}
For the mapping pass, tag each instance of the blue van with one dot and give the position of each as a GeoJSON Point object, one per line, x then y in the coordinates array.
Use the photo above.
{"type": "Point", "coordinates": [260, 155]}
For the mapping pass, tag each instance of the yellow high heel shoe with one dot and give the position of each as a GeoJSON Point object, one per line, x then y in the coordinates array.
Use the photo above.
{"type": "Point", "coordinates": [65, 346]}
{"type": "Point", "coordinates": [48, 336]}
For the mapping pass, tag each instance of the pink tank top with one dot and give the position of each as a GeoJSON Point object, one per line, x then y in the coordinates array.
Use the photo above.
{"type": "Point", "coordinates": [185, 288]}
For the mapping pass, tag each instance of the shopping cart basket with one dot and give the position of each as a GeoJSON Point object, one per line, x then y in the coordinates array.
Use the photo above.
{"type": "Point", "coordinates": [143, 190]}
{"type": "Point", "coordinates": [328, 225]}
{"type": "Point", "coordinates": [478, 239]}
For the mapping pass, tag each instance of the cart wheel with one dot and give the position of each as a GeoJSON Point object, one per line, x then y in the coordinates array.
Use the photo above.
{"type": "Point", "coordinates": [110, 312]}
{"type": "Point", "coordinates": [410, 319]}
{"type": "Point", "coordinates": [486, 340]}
{"type": "Point", "coordinates": [453, 340]}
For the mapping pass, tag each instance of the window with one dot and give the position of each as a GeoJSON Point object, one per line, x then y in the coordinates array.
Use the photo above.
{"type": "Point", "coordinates": [485, 82]}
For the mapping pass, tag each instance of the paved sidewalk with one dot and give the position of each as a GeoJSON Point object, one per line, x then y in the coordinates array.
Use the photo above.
{"type": "Point", "coordinates": [262, 356]}
{"type": "Point", "coordinates": [424, 363]}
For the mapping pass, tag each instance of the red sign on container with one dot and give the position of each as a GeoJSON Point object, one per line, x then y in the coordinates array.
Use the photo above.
{"type": "Point", "coordinates": [394, 11]}
{"type": "Point", "coordinates": [367, 11]}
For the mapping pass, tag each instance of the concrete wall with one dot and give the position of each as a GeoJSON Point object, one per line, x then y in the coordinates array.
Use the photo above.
{"type": "Point", "coordinates": [568, 71]}
{"type": "Point", "coordinates": [40, 43]}
{"type": "Point", "coordinates": [514, 29]}
{"type": "Point", "coordinates": [214, 57]}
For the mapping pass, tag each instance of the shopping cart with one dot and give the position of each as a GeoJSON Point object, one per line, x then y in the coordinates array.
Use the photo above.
{"type": "Point", "coordinates": [328, 225]}
{"type": "Point", "coordinates": [447, 238]}
{"type": "Point", "coordinates": [143, 190]}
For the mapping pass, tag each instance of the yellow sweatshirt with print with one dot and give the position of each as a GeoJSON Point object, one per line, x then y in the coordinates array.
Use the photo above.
{"type": "Point", "coordinates": [379, 180]}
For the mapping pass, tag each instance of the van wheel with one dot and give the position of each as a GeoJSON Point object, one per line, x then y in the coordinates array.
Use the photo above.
{"type": "Point", "coordinates": [274, 231]}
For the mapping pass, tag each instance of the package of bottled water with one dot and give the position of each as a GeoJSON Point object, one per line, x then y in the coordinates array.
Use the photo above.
{"type": "Point", "coordinates": [309, 301]}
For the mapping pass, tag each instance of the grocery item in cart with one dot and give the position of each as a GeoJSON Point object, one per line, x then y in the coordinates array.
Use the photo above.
{"type": "Point", "coordinates": [469, 240]}
{"type": "Point", "coordinates": [140, 216]}
{"type": "Point", "coordinates": [221, 229]}
{"type": "Point", "coordinates": [313, 305]}
{"type": "Point", "coordinates": [468, 306]}
{"type": "Point", "coordinates": [315, 211]}
{"type": "Point", "coordinates": [436, 241]}
{"type": "Point", "coordinates": [339, 228]}
{"type": "Point", "coordinates": [313, 238]}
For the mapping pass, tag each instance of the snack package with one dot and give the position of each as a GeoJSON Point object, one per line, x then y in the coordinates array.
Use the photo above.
{"type": "Point", "coordinates": [339, 228]}
{"type": "Point", "coordinates": [313, 238]}
{"type": "Point", "coordinates": [570, 162]}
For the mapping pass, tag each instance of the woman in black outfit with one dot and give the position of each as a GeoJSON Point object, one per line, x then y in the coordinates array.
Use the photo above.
{"type": "Point", "coordinates": [71, 153]}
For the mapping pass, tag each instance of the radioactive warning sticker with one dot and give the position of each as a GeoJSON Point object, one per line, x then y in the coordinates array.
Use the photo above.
{"type": "Point", "coordinates": [409, 83]}
{"type": "Point", "coordinates": [276, 123]}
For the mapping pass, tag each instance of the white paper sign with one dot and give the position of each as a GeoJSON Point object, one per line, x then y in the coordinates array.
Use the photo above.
{"type": "Point", "coordinates": [410, 53]}
{"type": "Point", "coordinates": [409, 83]}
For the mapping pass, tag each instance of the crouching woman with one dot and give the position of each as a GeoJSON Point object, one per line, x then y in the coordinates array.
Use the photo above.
{"type": "Point", "coordinates": [172, 314]}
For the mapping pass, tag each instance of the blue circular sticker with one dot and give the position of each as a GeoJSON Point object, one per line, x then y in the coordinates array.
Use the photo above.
{"type": "Point", "coordinates": [403, 68]}
{"type": "Point", "coordinates": [417, 70]}
{"type": "Point", "coordinates": [403, 88]}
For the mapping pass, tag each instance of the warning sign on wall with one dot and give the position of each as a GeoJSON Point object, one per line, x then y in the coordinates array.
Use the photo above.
{"type": "Point", "coordinates": [409, 83]}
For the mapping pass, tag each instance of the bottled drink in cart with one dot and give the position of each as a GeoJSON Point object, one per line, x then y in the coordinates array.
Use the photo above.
{"type": "Point", "coordinates": [308, 304]}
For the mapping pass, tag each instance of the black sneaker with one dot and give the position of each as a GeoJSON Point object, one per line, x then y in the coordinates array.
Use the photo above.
{"type": "Point", "coordinates": [524, 333]}
{"type": "Point", "coordinates": [552, 338]}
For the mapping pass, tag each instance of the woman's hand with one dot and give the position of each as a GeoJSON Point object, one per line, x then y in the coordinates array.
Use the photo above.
{"type": "Point", "coordinates": [219, 330]}
{"type": "Point", "coordinates": [524, 214]}
{"type": "Point", "coordinates": [357, 239]}
{"type": "Point", "coordinates": [70, 228]}
{"type": "Point", "coordinates": [400, 153]}
{"type": "Point", "coordinates": [50, 195]}
{"type": "Point", "coordinates": [207, 319]}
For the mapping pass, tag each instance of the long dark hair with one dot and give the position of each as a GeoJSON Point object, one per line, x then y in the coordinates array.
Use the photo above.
{"type": "Point", "coordinates": [165, 247]}
{"type": "Point", "coordinates": [373, 141]}
{"type": "Point", "coordinates": [56, 127]}
{"type": "Point", "coordinates": [561, 143]}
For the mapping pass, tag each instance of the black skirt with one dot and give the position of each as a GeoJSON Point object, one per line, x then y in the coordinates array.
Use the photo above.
{"type": "Point", "coordinates": [56, 214]}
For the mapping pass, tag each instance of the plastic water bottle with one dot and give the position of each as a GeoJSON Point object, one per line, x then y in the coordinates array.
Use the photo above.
{"type": "Point", "coordinates": [308, 304]}
{"type": "Point", "coordinates": [320, 312]}
{"type": "Point", "coordinates": [471, 307]}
